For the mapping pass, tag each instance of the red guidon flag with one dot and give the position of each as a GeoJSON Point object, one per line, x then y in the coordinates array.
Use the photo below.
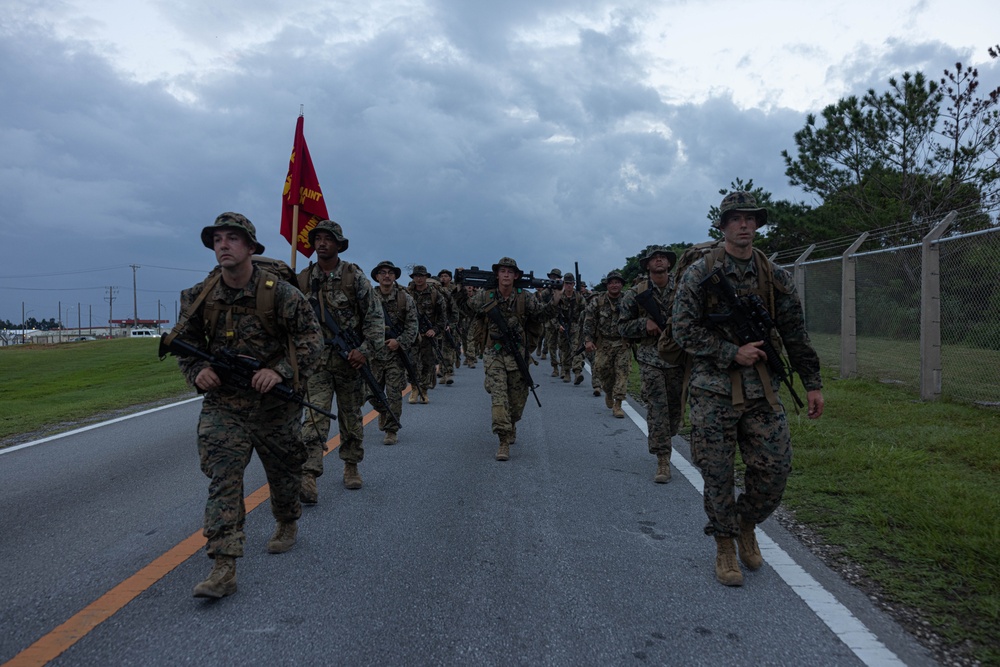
{"type": "Point", "coordinates": [301, 189]}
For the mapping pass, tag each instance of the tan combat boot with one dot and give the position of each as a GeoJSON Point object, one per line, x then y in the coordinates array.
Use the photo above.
{"type": "Point", "coordinates": [565, 376]}
{"type": "Point", "coordinates": [503, 453]}
{"type": "Point", "coordinates": [617, 411]}
{"type": "Point", "coordinates": [597, 392]}
{"type": "Point", "coordinates": [413, 397]}
{"type": "Point", "coordinates": [555, 371]}
{"type": "Point", "coordinates": [727, 570]}
{"type": "Point", "coordinates": [352, 479]}
{"type": "Point", "coordinates": [609, 401]}
{"type": "Point", "coordinates": [579, 378]}
{"type": "Point", "coordinates": [662, 469]}
{"type": "Point", "coordinates": [283, 538]}
{"type": "Point", "coordinates": [309, 494]}
{"type": "Point", "coordinates": [390, 438]}
{"type": "Point", "coordinates": [747, 542]}
{"type": "Point", "coordinates": [221, 581]}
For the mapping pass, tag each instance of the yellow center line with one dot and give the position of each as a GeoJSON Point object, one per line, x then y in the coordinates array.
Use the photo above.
{"type": "Point", "coordinates": [52, 644]}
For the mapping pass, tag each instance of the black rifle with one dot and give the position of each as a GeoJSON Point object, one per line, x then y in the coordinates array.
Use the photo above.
{"type": "Point", "coordinates": [576, 272]}
{"type": "Point", "coordinates": [343, 341]}
{"type": "Point", "coordinates": [425, 326]}
{"type": "Point", "coordinates": [752, 324]}
{"type": "Point", "coordinates": [649, 303]}
{"type": "Point", "coordinates": [394, 332]}
{"type": "Point", "coordinates": [511, 345]}
{"type": "Point", "coordinates": [477, 277]}
{"type": "Point", "coordinates": [236, 370]}
{"type": "Point", "coordinates": [451, 340]}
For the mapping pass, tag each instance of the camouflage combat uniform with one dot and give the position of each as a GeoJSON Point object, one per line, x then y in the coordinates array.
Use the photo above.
{"type": "Point", "coordinates": [236, 422]}
{"type": "Point", "coordinates": [451, 356]}
{"type": "Point", "coordinates": [718, 422]}
{"type": "Point", "coordinates": [613, 357]}
{"type": "Point", "coordinates": [335, 375]}
{"type": "Point", "coordinates": [569, 326]}
{"type": "Point", "coordinates": [507, 387]}
{"type": "Point", "coordinates": [431, 303]}
{"type": "Point", "coordinates": [550, 337]}
{"type": "Point", "coordinates": [387, 367]}
{"type": "Point", "coordinates": [661, 382]}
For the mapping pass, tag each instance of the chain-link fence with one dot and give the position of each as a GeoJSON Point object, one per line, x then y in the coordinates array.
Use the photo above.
{"type": "Point", "coordinates": [875, 324]}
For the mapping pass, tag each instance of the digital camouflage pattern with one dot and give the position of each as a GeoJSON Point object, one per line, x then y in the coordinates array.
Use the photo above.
{"type": "Point", "coordinates": [570, 313]}
{"type": "Point", "coordinates": [508, 390]}
{"type": "Point", "coordinates": [431, 303]}
{"type": "Point", "coordinates": [717, 424]}
{"type": "Point", "coordinates": [741, 200]}
{"type": "Point", "coordinates": [662, 383]}
{"type": "Point", "coordinates": [451, 356]}
{"type": "Point", "coordinates": [235, 422]}
{"type": "Point", "coordinates": [613, 358]}
{"type": "Point", "coordinates": [335, 376]}
{"type": "Point", "coordinates": [387, 367]}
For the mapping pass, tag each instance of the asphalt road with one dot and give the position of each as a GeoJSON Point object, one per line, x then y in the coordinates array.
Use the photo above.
{"type": "Point", "coordinates": [568, 554]}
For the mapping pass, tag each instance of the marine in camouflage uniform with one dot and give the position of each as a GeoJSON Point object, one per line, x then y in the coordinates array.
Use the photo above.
{"type": "Point", "coordinates": [472, 326]}
{"type": "Point", "coordinates": [569, 322]}
{"type": "Point", "coordinates": [342, 290]}
{"type": "Point", "coordinates": [662, 383]}
{"type": "Point", "coordinates": [507, 387]}
{"type": "Point", "coordinates": [387, 366]}
{"type": "Point", "coordinates": [452, 356]}
{"type": "Point", "coordinates": [430, 303]}
{"type": "Point", "coordinates": [612, 353]}
{"type": "Point", "coordinates": [236, 422]}
{"type": "Point", "coordinates": [550, 336]}
{"type": "Point", "coordinates": [734, 400]}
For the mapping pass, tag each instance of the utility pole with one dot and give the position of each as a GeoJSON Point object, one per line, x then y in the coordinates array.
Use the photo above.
{"type": "Point", "coordinates": [135, 300]}
{"type": "Point", "coordinates": [110, 298]}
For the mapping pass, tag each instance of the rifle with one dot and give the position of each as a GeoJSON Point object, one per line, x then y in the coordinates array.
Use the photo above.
{"type": "Point", "coordinates": [480, 278]}
{"type": "Point", "coordinates": [344, 340]}
{"type": "Point", "coordinates": [425, 325]}
{"type": "Point", "coordinates": [236, 370]}
{"type": "Point", "coordinates": [451, 340]}
{"type": "Point", "coordinates": [752, 324]}
{"type": "Point", "coordinates": [511, 345]}
{"type": "Point", "coordinates": [394, 332]}
{"type": "Point", "coordinates": [576, 272]}
{"type": "Point", "coordinates": [649, 303]}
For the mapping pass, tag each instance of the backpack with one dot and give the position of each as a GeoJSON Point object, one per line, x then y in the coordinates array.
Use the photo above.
{"type": "Point", "coordinates": [270, 273]}
{"type": "Point", "coordinates": [533, 330]}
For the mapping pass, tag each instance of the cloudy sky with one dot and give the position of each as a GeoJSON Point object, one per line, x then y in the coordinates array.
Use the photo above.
{"type": "Point", "coordinates": [443, 132]}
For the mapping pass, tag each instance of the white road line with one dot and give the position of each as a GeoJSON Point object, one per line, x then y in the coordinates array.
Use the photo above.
{"type": "Point", "coordinates": [8, 450]}
{"type": "Point", "coordinates": [837, 617]}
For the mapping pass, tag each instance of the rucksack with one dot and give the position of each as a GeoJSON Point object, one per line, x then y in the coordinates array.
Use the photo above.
{"type": "Point", "coordinates": [533, 330]}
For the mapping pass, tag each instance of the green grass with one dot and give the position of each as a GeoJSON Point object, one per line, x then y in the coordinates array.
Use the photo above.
{"type": "Point", "coordinates": [908, 490]}
{"type": "Point", "coordinates": [56, 387]}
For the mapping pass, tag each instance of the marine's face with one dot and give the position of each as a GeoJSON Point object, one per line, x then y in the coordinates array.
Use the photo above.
{"type": "Point", "coordinates": [386, 277]}
{"type": "Point", "coordinates": [659, 263]}
{"type": "Point", "coordinates": [232, 247]}
{"type": "Point", "coordinates": [445, 279]}
{"type": "Point", "coordinates": [506, 276]}
{"type": "Point", "coordinates": [327, 247]}
{"type": "Point", "coordinates": [420, 282]}
{"type": "Point", "coordinates": [739, 227]}
{"type": "Point", "coordinates": [615, 287]}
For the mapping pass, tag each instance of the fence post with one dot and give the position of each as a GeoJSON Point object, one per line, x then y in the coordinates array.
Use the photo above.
{"type": "Point", "coordinates": [930, 311]}
{"type": "Point", "coordinates": [849, 311]}
{"type": "Point", "coordinates": [799, 274]}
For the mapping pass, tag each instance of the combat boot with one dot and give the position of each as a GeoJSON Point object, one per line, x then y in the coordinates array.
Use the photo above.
{"type": "Point", "coordinates": [727, 570]}
{"type": "Point", "coordinates": [555, 371]}
{"type": "Point", "coordinates": [448, 379]}
{"type": "Point", "coordinates": [424, 398]}
{"type": "Point", "coordinates": [413, 397]}
{"type": "Point", "coordinates": [617, 411]}
{"type": "Point", "coordinates": [579, 378]}
{"type": "Point", "coordinates": [565, 376]}
{"type": "Point", "coordinates": [309, 494]}
{"type": "Point", "coordinates": [544, 356]}
{"type": "Point", "coordinates": [390, 438]}
{"type": "Point", "coordinates": [221, 581]}
{"type": "Point", "coordinates": [352, 479]}
{"type": "Point", "coordinates": [283, 538]}
{"type": "Point", "coordinates": [662, 469]}
{"type": "Point", "coordinates": [747, 542]}
{"type": "Point", "coordinates": [503, 453]}
{"type": "Point", "coordinates": [597, 392]}
{"type": "Point", "coordinates": [609, 401]}
{"type": "Point", "coordinates": [513, 433]}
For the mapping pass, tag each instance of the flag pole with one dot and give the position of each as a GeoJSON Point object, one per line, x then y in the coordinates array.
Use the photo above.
{"type": "Point", "coordinates": [295, 234]}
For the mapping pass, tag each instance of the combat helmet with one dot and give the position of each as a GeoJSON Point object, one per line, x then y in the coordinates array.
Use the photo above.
{"type": "Point", "coordinates": [236, 221]}
{"type": "Point", "coordinates": [386, 264]}
{"type": "Point", "coordinates": [331, 228]}
{"type": "Point", "coordinates": [741, 200]}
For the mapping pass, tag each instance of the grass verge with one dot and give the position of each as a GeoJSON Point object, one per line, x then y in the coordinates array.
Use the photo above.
{"type": "Point", "coordinates": [56, 387]}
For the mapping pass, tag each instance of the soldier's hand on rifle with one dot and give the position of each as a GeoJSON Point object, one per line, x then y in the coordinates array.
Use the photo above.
{"type": "Point", "coordinates": [207, 379]}
{"type": "Point", "coordinates": [392, 344]}
{"type": "Point", "coordinates": [652, 329]}
{"type": "Point", "coordinates": [750, 354]}
{"type": "Point", "coordinates": [590, 347]}
{"type": "Point", "coordinates": [429, 333]}
{"type": "Point", "coordinates": [265, 380]}
{"type": "Point", "coordinates": [356, 359]}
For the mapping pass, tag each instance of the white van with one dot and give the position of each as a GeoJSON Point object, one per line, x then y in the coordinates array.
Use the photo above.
{"type": "Point", "coordinates": [142, 333]}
